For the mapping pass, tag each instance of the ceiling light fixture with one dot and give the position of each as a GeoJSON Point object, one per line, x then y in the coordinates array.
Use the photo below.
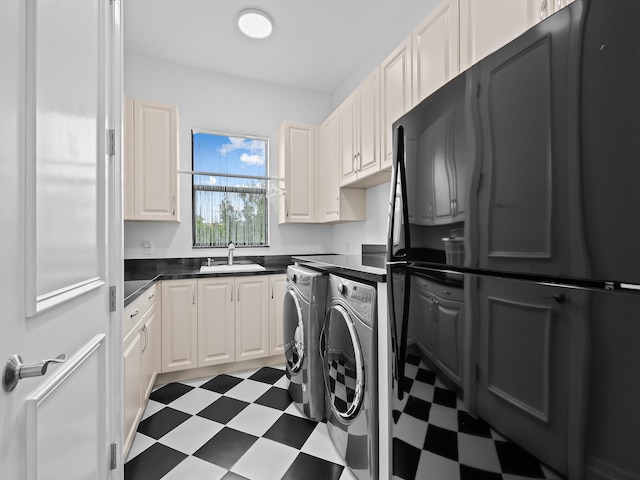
{"type": "Point", "coordinates": [255, 23]}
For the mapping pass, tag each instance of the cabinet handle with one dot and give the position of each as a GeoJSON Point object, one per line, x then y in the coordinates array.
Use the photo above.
{"type": "Point", "coordinates": [286, 207]}
{"type": "Point", "coordinates": [151, 296]}
{"type": "Point", "coordinates": [173, 204]}
{"type": "Point", "coordinates": [271, 292]}
{"type": "Point", "coordinates": [193, 292]}
{"type": "Point", "coordinates": [446, 292]}
{"type": "Point", "coordinates": [135, 312]}
{"type": "Point", "coordinates": [231, 298]}
{"type": "Point", "coordinates": [238, 294]}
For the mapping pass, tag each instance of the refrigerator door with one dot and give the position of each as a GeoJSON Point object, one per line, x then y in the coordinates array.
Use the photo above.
{"type": "Point", "coordinates": [515, 377]}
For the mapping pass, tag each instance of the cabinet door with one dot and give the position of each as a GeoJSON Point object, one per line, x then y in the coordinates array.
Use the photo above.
{"type": "Point", "coordinates": [216, 332]}
{"type": "Point", "coordinates": [488, 25]}
{"type": "Point", "coordinates": [133, 404]}
{"type": "Point", "coordinates": [297, 152]}
{"type": "Point", "coordinates": [128, 160]}
{"type": "Point", "coordinates": [435, 50]}
{"type": "Point", "coordinates": [450, 318]}
{"type": "Point", "coordinates": [395, 96]}
{"type": "Point", "coordinates": [276, 314]}
{"type": "Point", "coordinates": [348, 140]}
{"type": "Point", "coordinates": [179, 325]}
{"type": "Point", "coordinates": [422, 318]}
{"type": "Point", "coordinates": [156, 161]}
{"type": "Point", "coordinates": [368, 126]}
{"type": "Point", "coordinates": [150, 350]}
{"type": "Point", "coordinates": [526, 364]}
{"type": "Point", "coordinates": [328, 170]}
{"type": "Point", "coordinates": [252, 317]}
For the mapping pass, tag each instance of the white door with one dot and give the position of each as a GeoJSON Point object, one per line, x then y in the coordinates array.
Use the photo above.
{"type": "Point", "coordinates": [60, 92]}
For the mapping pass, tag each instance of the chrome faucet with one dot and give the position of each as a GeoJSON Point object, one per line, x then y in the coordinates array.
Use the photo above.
{"type": "Point", "coordinates": [232, 247]}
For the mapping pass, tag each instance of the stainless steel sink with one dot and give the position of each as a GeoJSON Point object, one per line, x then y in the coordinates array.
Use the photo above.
{"type": "Point", "coordinates": [236, 267]}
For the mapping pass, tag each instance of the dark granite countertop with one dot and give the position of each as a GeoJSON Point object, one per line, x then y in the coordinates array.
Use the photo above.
{"type": "Point", "coordinates": [367, 267]}
{"type": "Point", "coordinates": [140, 274]}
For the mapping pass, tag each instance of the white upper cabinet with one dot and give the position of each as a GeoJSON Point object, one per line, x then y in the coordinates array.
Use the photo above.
{"type": "Point", "coordinates": [360, 136]}
{"type": "Point", "coordinates": [333, 203]}
{"type": "Point", "coordinates": [296, 155]}
{"type": "Point", "coordinates": [487, 25]}
{"type": "Point", "coordinates": [150, 161]}
{"type": "Point", "coordinates": [395, 96]}
{"type": "Point", "coordinates": [436, 50]}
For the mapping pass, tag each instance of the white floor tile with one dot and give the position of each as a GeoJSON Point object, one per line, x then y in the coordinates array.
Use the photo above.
{"type": "Point", "coordinates": [478, 452]}
{"type": "Point", "coordinates": [347, 474]}
{"type": "Point", "coordinates": [244, 373]}
{"type": "Point", "coordinates": [192, 468]}
{"type": "Point", "coordinates": [194, 401]}
{"type": "Point", "coordinates": [151, 408]}
{"type": "Point", "coordinates": [191, 434]}
{"type": "Point", "coordinates": [140, 444]}
{"type": "Point", "coordinates": [293, 410]}
{"type": "Point", "coordinates": [282, 383]}
{"type": "Point", "coordinates": [197, 382]}
{"type": "Point", "coordinates": [443, 417]}
{"type": "Point", "coordinates": [435, 466]}
{"type": "Point", "coordinates": [248, 390]}
{"type": "Point", "coordinates": [265, 460]}
{"type": "Point", "coordinates": [319, 444]}
{"type": "Point", "coordinates": [255, 419]}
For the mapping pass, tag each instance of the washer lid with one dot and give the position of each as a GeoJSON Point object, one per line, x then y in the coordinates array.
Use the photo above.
{"type": "Point", "coordinates": [343, 364]}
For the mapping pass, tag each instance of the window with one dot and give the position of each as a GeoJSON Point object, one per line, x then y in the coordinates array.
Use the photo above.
{"type": "Point", "coordinates": [229, 190]}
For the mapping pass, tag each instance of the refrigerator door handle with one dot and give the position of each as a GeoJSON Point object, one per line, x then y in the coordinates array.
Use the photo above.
{"type": "Point", "coordinates": [398, 241]}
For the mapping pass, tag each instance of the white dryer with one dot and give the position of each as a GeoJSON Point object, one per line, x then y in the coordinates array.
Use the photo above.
{"type": "Point", "coordinates": [303, 310]}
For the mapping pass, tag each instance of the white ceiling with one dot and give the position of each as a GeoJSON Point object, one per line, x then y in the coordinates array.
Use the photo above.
{"type": "Point", "coordinates": [315, 44]}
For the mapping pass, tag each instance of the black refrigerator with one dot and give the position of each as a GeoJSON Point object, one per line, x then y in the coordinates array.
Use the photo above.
{"type": "Point", "coordinates": [513, 260]}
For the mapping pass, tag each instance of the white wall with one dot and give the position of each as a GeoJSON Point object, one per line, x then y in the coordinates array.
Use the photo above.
{"type": "Point", "coordinates": [218, 102]}
{"type": "Point", "coordinates": [348, 237]}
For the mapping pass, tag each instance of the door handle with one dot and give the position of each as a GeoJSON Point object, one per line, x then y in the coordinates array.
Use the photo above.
{"type": "Point", "coordinates": [15, 370]}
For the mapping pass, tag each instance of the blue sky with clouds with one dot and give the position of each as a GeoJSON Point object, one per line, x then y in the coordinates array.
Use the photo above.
{"type": "Point", "coordinates": [229, 154]}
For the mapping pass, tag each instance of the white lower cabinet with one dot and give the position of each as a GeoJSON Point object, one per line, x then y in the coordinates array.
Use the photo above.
{"type": "Point", "coordinates": [179, 325]}
{"type": "Point", "coordinates": [141, 359]}
{"type": "Point", "coordinates": [210, 321]}
{"type": "Point", "coordinates": [276, 299]}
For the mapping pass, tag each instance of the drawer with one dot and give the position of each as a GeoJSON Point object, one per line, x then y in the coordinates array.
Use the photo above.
{"type": "Point", "coordinates": [437, 289]}
{"type": "Point", "coordinates": [136, 309]}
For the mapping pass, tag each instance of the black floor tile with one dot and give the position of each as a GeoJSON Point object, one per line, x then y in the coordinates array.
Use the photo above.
{"type": "Point", "coordinates": [413, 359]}
{"type": "Point", "coordinates": [470, 473]}
{"type": "Point", "coordinates": [308, 467]}
{"type": "Point", "coordinates": [290, 430]}
{"type": "Point", "coordinates": [405, 459]}
{"type": "Point", "coordinates": [160, 423]}
{"type": "Point", "coordinates": [152, 464]}
{"type": "Point", "coordinates": [473, 426]}
{"type": "Point", "coordinates": [226, 447]}
{"type": "Point", "coordinates": [233, 476]}
{"type": "Point", "coordinates": [417, 408]}
{"type": "Point", "coordinates": [514, 460]}
{"type": "Point", "coordinates": [267, 375]}
{"type": "Point", "coordinates": [170, 392]}
{"type": "Point", "coordinates": [426, 376]}
{"type": "Point", "coordinates": [445, 397]}
{"type": "Point", "coordinates": [442, 442]}
{"type": "Point", "coordinates": [223, 409]}
{"type": "Point", "coordinates": [221, 383]}
{"type": "Point", "coordinates": [275, 397]}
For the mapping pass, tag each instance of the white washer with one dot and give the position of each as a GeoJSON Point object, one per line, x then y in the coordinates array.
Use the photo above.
{"type": "Point", "coordinates": [303, 310]}
{"type": "Point", "coordinates": [348, 345]}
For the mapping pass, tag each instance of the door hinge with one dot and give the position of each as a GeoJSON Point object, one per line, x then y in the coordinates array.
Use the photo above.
{"type": "Point", "coordinates": [111, 142]}
{"type": "Point", "coordinates": [113, 460]}
{"type": "Point", "coordinates": [113, 306]}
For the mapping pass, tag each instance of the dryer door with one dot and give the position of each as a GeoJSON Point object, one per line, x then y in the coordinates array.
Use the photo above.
{"type": "Point", "coordinates": [293, 330]}
{"type": "Point", "coordinates": [343, 364]}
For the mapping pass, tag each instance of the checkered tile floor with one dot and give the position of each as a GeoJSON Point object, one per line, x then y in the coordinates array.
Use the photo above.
{"type": "Point", "coordinates": [434, 437]}
{"type": "Point", "coordinates": [236, 426]}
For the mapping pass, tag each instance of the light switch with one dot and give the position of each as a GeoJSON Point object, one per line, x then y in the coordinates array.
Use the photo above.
{"type": "Point", "coordinates": [148, 247]}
